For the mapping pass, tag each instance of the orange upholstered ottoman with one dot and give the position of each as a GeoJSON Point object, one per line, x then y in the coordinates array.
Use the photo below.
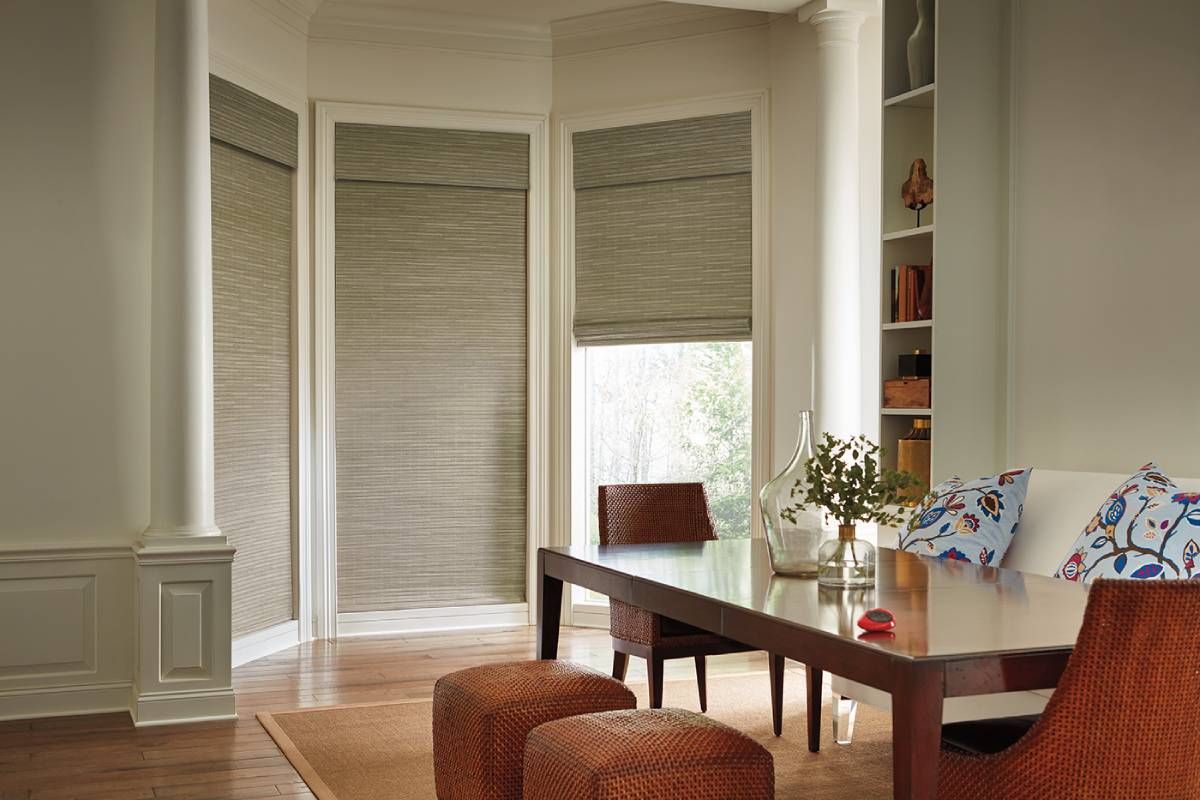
{"type": "Point", "coordinates": [481, 717]}
{"type": "Point", "coordinates": [654, 754]}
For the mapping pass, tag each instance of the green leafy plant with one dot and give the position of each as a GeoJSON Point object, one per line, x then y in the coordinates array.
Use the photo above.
{"type": "Point", "coordinates": [846, 479]}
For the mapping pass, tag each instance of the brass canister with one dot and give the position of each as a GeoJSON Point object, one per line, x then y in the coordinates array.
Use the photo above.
{"type": "Point", "coordinates": [913, 454]}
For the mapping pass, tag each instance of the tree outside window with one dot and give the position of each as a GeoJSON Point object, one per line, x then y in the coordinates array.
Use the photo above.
{"type": "Point", "coordinates": [672, 412]}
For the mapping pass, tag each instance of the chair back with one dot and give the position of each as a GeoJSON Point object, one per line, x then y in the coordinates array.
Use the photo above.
{"type": "Point", "coordinates": [643, 513]}
{"type": "Point", "coordinates": [1123, 721]}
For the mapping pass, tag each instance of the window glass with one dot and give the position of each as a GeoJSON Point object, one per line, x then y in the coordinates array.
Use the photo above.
{"type": "Point", "coordinates": [657, 413]}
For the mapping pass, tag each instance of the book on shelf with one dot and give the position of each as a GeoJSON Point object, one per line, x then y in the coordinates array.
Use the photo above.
{"type": "Point", "coordinates": [912, 292]}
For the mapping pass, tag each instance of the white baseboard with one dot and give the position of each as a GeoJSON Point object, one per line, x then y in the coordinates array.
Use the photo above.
{"type": "Point", "coordinates": [65, 701]}
{"type": "Point", "coordinates": [265, 642]}
{"type": "Point", "coordinates": [365, 623]}
{"type": "Point", "coordinates": [172, 708]}
{"type": "Point", "coordinates": [589, 615]}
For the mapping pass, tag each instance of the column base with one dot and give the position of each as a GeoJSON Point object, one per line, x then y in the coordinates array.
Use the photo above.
{"type": "Point", "coordinates": [184, 609]}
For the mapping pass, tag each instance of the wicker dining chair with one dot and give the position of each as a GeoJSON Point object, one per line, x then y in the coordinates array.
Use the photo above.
{"type": "Point", "coordinates": [1123, 721]}
{"type": "Point", "coordinates": [647, 513]}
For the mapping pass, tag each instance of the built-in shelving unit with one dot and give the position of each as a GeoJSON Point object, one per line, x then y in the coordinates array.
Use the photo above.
{"type": "Point", "coordinates": [957, 124]}
{"type": "Point", "coordinates": [908, 134]}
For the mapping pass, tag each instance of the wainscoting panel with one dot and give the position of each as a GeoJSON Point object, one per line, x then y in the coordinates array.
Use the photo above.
{"type": "Point", "coordinates": [186, 631]}
{"type": "Point", "coordinates": [64, 638]}
{"type": "Point", "coordinates": [67, 622]}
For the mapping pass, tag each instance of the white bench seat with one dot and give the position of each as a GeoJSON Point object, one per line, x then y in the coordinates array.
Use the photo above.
{"type": "Point", "coordinates": [1057, 507]}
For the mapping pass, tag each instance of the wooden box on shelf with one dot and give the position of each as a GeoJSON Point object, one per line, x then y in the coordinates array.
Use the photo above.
{"type": "Point", "coordinates": [906, 393]}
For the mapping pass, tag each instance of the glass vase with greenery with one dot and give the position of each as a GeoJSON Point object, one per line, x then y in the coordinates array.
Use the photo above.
{"type": "Point", "coordinates": [846, 479]}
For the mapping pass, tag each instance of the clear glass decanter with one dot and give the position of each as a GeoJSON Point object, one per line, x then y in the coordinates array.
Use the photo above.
{"type": "Point", "coordinates": [793, 527]}
{"type": "Point", "coordinates": [846, 560]}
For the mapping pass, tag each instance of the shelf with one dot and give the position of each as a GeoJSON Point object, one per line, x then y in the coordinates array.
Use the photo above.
{"type": "Point", "coordinates": [907, 326]}
{"type": "Point", "coordinates": [908, 233]}
{"type": "Point", "coordinates": [917, 98]}
{"type": "Point", "coordinates": [906, 412]}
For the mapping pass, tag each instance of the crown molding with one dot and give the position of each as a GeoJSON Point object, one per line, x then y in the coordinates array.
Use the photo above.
{"type": "Point", "coordinates": [631, 18]}
{"type": "Point", "coordinates": [656, 22]}
{"type": "Point", "coordinates": [370, 23]}
{"type": "Point", "coordinates": [294, 15]}
{"type": "Point", "coordinates": [305, 7]}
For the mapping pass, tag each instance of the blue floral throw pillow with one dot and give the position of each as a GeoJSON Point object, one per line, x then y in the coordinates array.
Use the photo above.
{"type": "Point", "coordinates": [968, 520]}
{"type": "Point", "coordinates": [1147, 528]}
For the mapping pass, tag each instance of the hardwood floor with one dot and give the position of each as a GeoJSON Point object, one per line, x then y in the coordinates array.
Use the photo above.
{"type": "Point", "coordinates": [105, 758]}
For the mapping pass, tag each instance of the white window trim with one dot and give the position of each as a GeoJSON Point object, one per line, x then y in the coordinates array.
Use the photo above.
{"type": "Point", "coordinates": [323, 576]}
{"type": "Point", "coordinates": [567, 388]}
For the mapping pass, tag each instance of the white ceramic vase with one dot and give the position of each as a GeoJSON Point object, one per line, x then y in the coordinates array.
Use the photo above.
{"type": "Point", "coordinates": [920, 47]}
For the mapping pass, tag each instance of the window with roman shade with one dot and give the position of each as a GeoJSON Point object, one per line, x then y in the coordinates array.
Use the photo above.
{"type": "Point", "coordinates": [430, 366]}
{"type": "Point", "coordinates": [663, 231]}
{"type": "Point", "coordinates": [254, 153]}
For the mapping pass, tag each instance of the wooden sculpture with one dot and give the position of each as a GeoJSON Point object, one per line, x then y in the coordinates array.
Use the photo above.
{"type": "Point", "coordinates": [917, 191]}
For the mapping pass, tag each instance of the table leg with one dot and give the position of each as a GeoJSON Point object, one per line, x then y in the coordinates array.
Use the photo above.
{"type": "Point", "coordinates": [917, 731]}
{"type": "Point", "coordinates": [549, 612]}
{"type": "Point", "coordinates": [815, 682]}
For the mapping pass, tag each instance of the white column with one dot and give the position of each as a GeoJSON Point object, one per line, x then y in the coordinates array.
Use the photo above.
{"type": "Point", "coordinates": [181, 441]}
{"type": "Point", "coordinates": [183, 561]}
{"type": "Point", "coordinates": [838, 355]}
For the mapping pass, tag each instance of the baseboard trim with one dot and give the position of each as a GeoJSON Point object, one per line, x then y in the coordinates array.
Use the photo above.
{"type": "Point", "coordinates": [64, 701]}
{"type": "Point", "coordinates": [589, 615]}
{"type": "Point", "coordinates": [268, 641]}
{"type": "Point", "coordinates": [367, 623]}
{"type": "Point", "coordinates": [172, 708]}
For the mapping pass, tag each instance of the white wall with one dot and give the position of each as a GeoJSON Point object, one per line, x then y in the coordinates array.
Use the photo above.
{"type": "Point", "coordinates": [76, 155]}
{"type": "Point", "coordinates": [1104, 318]}
{"type": "Point", "coordinates": [633, 75]}
{"type": "Point", "coordinates": [416, 76]}
{"type": "Point", "coordinates": [244, 37]}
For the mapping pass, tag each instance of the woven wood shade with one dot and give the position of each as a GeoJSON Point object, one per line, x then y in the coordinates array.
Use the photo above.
{"type": "Point", "coordinates": [252, 123]}
{"type": "Point", "coordinates": [391, 154]}
{"type": "Point", "coordinates": [663, 231]}
{"type": "Point", "coordinates": [252, 360]}
{"type": "Point", "coordinates": [430, 304]}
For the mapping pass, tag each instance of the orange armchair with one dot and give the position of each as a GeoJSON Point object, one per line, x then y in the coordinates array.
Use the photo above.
{"type": "Point", "coordinates": [1123, 722]}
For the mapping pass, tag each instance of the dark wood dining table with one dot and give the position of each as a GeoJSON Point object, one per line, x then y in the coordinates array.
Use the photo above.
{"type": "Point", "coordinates": [960, 629]}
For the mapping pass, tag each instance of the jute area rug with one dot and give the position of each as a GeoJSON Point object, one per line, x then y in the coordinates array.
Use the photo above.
{"type": "Point", "coordinates": [384, 751]}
